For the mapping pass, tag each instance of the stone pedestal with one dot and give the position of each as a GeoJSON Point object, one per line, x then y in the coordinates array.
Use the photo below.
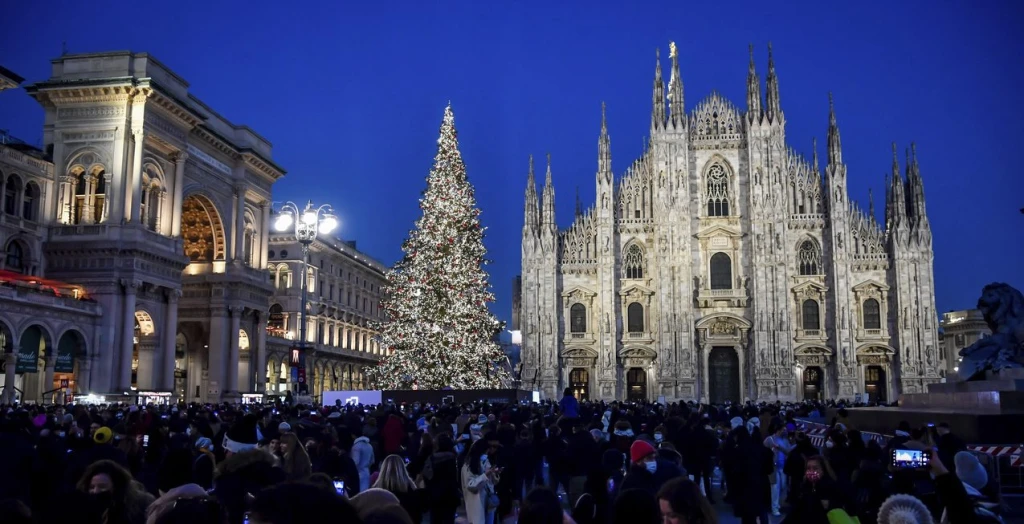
{"type": "Point", "coordinates": [989, 411]}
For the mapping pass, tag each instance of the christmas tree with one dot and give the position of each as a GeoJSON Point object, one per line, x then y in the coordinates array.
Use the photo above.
{"type": "Point", "coordinates": [439, 333]}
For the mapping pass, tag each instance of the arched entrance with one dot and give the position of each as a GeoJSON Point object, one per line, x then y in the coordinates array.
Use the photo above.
{"type": "Point", "coordinates": [812, 383]}
{"type": "Point", "coordinates": [874, 383]}
{"type": "Point", "coordinates": [636, 384]}
{"type": "Point", "coordinates": [144, 352]}
{"type": "Point", "coordinates": [579, 381]}
{"type": "Point", "coordinates": [724, 375]}
{"type": "Point", "coordinates": [33, 343]}
{"type": "Point", "coordinates": [202, 230]}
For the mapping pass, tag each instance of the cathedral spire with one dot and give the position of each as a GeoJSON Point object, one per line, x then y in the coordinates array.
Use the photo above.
{"type": "Point", "coordinates": [917, 184]}
{"type": "Point", "coordinates": [871, 204]}
{"type": "Point", "coordinates": [658, 112]}
{"type": "Point", "coordinates": [896, 203]}
{"type": "Point", "coordinates": [579, 203]}
{"type": "Point", "coordinates": [675, 89]}
{"type": "Point", "coordinates": [604, 150]}
{"type": "Point", "coordinates": [531, 219]}
{"type": "Point", "coordinates": [753, 91]}
{"type": "Point", "coordinates": [835, 149]}
{"type": "Point", "coordinates": [773, 107]}
{"type": "Point", "coordinates": [548, 215]}
{"type": "Point", "coordinates": [814, 154]}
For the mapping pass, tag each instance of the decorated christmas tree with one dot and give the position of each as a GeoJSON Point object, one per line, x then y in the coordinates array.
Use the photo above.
{"type": "Point", "coordinates": [439, 332]}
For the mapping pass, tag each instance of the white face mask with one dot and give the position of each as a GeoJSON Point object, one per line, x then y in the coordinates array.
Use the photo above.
{"type": "Point", "coordinates": [651, 466]}
{"type": "Point", "coordinates": [657, 437]}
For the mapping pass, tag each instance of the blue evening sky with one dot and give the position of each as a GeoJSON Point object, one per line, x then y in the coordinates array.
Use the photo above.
{"type": "Point", "coordinates": [351, 95]}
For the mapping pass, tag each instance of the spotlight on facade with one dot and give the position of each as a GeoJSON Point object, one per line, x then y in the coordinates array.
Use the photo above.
{"type": "Point", "coordinates": [283, 221]}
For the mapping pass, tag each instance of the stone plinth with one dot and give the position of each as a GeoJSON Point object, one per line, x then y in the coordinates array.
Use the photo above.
{"type": "Point", "coordinates": [989, 411]}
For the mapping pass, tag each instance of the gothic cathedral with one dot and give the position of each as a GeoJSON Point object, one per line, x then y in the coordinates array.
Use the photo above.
{"type": "Point", "coordinates": [722, 266]}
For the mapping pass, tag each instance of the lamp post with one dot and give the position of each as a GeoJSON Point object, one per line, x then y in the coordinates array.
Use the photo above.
{"type": "Point", "coordinates": [307, 223]}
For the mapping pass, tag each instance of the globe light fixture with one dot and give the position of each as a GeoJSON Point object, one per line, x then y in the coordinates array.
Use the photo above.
{"type": "Point", "coordinates": [312, 221]}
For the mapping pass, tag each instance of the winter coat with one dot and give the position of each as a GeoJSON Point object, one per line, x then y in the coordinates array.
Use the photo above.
{"type": "Point", "coordinates": [475, 490]}
{"type": "Point", "coordinates": [639, 478]}
{"type": "Point", "coordinates": [362, 456]}
{"type": "Point", "coordinates": [392, 435]}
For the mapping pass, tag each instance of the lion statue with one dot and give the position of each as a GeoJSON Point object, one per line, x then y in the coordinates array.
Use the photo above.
{"type": "Point", "coordinates": [1003, 308]}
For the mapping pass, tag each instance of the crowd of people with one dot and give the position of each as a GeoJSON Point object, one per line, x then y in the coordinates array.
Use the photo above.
{"type": "Point", "coordinates": [532, 463]}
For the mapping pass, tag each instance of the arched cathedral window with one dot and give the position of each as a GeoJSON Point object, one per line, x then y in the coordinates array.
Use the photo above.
{"type": "Point", "coordinates": [717, 191]}
{"type": "Point", "coordinates": [809, 258]}
{"type": "Point", "coordinates": [810, 314]}
{"type": "Point", "coordinates": [634, 262]}
{"type": "Point", "coordinates": [721, 271]}
{"type": "Point", "coordinates": [635, 318]}
{"type": "Point", "coordinates": [578, 318]}
{"type": "Point", "coordinates": [872, 314]}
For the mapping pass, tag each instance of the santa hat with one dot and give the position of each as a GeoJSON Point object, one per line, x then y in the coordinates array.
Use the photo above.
{"type": "Point", "coordinates": [640, 450]}
{"type": "Point", "coordinates": [243, 436]}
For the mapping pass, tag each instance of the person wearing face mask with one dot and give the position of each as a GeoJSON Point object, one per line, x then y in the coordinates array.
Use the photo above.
{"type": "Point", "coordinates": [646, 472]}
{"type": "Point", "coordinates": [817, 494]}
{"type": "Point", "coordinates": [113, 494]}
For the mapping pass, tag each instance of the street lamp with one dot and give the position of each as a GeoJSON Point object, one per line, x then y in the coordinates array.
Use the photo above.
{"type": "Point", "coordinates": [311, 222]}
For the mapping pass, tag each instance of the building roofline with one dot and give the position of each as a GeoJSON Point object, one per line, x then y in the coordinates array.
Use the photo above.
{"type": "Point", "coordinates": [11, 75]}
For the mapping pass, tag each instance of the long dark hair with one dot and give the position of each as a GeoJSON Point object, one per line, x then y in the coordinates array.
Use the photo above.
{"type": "Point", "coordinates": [477, 450]}
{"type": "Point", "coordinates": [683, 496]}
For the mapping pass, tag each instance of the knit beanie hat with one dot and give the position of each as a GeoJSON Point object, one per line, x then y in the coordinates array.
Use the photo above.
{"type": "Point", "coordinates": [243, 436]}
{"type": "Point", "coordinates": [970, 471]}
{"type": "Point", "coordinates": [736, 422]}
{"type": "Point", "coordinates": [102, 435]}
{"type": "Point", "coordinates": [284, 427]}
{"type": "Point", "coordinates": [903, 509]}
{"type": "Point", "coordinates": [639, 450]}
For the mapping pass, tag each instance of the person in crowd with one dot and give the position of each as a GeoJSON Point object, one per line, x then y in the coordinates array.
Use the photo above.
{"type": "Point", "coordinates": [903, 509]}
{"type": "Point", "coordinates": [204, 464]}
{"type": "Point", "coordinates": [362, 456]}
{"type": "Point", "coordinates": [479, 479]}
{"type": "Point", "coordinates": [423, 453]}
{"type": "Point", "coordinates": [299, 503]}
{"type": "Point", "coordinates": [114, 494]}
{"type": "Point", "coordinates": [541, 506]}
{"type": "Point", "coordinates": [681, 502]}
{"type": "Point", "coordinates": [395, 478]}
{"type": "Point", "coordinates": [778, 442]}
{"type": "Point", "coordinates": [636, 506]}
{"type": "Point", "coordinates": [818, 493]}
{"type": "Point", "coordinates": [976, 503]}
{"type": "Point", "coordinates": [245, 470]}
{"type": "Point", "coordinates": [189, 504]}
{"type": "Point", "coordinates": [949, 444]}
{"type": "Point", "coordinates": [870, 484]}
{"type": "Point", "coordinates": [569, 406]}
{"type": "Point", "coordinates": [440, 478]}
{"type": "Point", "coordinates": [294, 458]}
{"type": "Point", "coordinates": [646, 471]}
{"type": "Point", "coordinates": [796, 462]}
{"type": "Point", "coordinates": [752, 467]}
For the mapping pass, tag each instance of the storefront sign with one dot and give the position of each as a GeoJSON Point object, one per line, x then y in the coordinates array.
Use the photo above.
{"type": "Point", "coordinates": [65, 356]}
{"type": "Point", "coordinates": [28, 352]}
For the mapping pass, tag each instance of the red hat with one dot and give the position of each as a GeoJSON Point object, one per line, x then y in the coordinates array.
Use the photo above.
{"type": "Point", "coordinates": [640, 450]}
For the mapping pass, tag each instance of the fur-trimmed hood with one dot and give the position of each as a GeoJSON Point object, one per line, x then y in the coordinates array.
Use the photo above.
{"type": "Point", "coordinates": [245, 460]}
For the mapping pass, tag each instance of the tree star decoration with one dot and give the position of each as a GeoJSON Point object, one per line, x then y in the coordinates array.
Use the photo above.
{"type": "Point", "coordinates": [439, 332]}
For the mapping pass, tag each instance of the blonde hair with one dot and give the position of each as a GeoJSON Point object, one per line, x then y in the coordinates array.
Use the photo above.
{"type": "Point", "coordinates": [393, 476]}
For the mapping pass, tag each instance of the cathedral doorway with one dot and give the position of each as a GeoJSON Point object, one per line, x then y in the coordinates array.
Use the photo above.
{"type": "Point", "coordinates": [579, 381]}
{"type": "Point", "coordinates": [724, 375]}
{"type": "Point", "coordinates": [812, 383]}
{"type": "Point", "coordinates": [874, 383]}
{"type": "Point", "coordinates": [636, 384]}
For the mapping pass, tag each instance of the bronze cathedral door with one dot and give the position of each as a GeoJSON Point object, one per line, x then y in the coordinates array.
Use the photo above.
{"type": "Point", "coordinates": [723, 375]}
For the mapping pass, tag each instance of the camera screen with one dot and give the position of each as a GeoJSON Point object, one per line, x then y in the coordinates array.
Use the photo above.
{"type": "Point", "coordinates": [910, 458]}
{"type": "Point", "coordinates": [339, 486]}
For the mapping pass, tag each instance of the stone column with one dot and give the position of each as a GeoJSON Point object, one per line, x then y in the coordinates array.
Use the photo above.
{"type": "Point", "coordinates": [67, 193]}
{"type": "Point", "coordinates": [135, 202]}
{"type": "Point", "coordinates": [260, 352]}
{"type": "Point", "coordinates": [161, 198]}
{"type": "Point", "coordinates": [218, 354]}
{"type": "Point", "coordinates": [11, 362]}
{"type": "Point", "coordinates": [124, 377]}
{"type": "Point", "coordinates": [50, 360]}
{"type": "Point", "coordinates": [106, 198]}
{"type": "Point", "coordinates": [88, 213]}
{"type": "Point", "coordinates": [233, 355]}
{"type": "Point", "coordinates": [239, 242]}
{"type": "Point", "coordinates": [264, 236]}
{"type": "Point", "coordinates": [179, 183]}
{"type": "Point", "coordinates": [147, 198]}
{"type": "Point", "coordinates": [83, 381]}
{"type": "Point", "coordinates": [170, 333]}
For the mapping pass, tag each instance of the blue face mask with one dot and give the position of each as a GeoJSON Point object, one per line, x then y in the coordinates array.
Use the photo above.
{"type": "Point", "coordinates": [658, 437]}
{"type": "Point", "coordinates": [651, 466]}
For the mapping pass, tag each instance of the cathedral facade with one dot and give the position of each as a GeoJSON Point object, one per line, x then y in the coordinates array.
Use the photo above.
{"type": "Point", "coordinates": [723, 266]}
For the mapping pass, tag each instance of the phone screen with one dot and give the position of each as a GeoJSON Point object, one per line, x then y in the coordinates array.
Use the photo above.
{"type": "Point", "coordinates": [245, 519]}
{"type": "Point", "coordinates": [339, 486]}
{"type": "Point", "coordinates": [910, 458]}
{"type": "Point", "coordinates": [145, 441]}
